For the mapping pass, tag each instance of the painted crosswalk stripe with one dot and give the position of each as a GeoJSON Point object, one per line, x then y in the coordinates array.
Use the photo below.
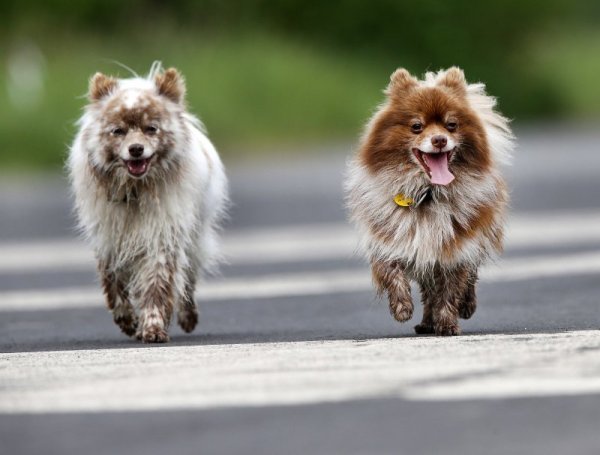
{"type": "Point", "coordinates": [303, 243]}
{"type": "Point", "coordinates": [306, 284]}
{"type": "Point", "coordinates": [214, 376]}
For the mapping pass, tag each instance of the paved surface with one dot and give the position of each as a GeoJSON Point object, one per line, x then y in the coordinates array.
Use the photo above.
{"type": "Point", "coordinates": [293, 353]}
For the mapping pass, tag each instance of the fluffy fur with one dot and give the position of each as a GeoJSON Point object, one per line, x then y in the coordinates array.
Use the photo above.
{"type": "Point", "coordinates": [458, 217]}
{"type": "Point", "coordinates": [150, 191]}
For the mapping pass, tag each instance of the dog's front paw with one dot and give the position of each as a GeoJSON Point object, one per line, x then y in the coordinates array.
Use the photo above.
{"type": "Point", "coordinates": [423, 329]}
{"type": "Point", "coordinates": [401, 310]}
{"type": "Point", "coordinates": [153, 334]}
{"type": "Point", "coordinates": [466, 309]}
{"type": "Point", "coordinates": [447, 330]}
{"type": "Point", "coordinates": [187, 319]}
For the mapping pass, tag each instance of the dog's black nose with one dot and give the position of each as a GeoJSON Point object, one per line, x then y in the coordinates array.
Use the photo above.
{"type": "Point", "coordinates": [439, 141]}
{"type": "Point", "coordinates": [136, 150]}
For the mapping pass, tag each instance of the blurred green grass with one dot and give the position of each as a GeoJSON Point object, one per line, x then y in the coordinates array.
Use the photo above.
{"type": "Point", "coordinates": [253, 92]}
{"type": "Point", "coordinates": [572, 67]}
{"type": "Point", "coordinates": [268, 76]}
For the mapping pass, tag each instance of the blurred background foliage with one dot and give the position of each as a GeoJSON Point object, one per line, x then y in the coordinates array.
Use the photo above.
{"type": "Point", "coordinates": [269, 75]}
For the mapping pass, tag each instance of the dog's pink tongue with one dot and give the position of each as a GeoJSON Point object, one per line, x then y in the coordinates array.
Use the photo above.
{"type": "Point", "coordinates": [438, 165]}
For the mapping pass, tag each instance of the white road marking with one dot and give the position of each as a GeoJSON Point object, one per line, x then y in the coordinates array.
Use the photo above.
{"type": "Point", "coordinates": [303, 243]}
{"type": "Point", "coordinates": [313, 283]}
{"type": "Point", "coordinates": [213, 376]}
{"type": "Point", "coordinates": [261, 246]}
{"type": "Point", "coordinates": [241, 288]}
{"type": "Point", "coordinates": [40, 255]}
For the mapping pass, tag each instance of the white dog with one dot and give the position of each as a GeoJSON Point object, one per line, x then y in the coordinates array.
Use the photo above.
{"type": "Point", "coordinates": [150, 191]}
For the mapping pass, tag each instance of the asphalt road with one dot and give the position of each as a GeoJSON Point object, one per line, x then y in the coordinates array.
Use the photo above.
{"type": "Point", "coordinates": [293, 353]}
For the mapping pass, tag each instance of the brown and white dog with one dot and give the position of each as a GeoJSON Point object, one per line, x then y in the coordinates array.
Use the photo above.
{"type": "Point", "coordinates": [427, 195]}
{"type": "Point", "coordinates": [150, 191]}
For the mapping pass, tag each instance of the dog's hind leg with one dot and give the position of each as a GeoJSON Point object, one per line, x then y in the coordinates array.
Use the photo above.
{"type": "Point", "coordinates": [187, 313]}
{"type": "Point", "coordinates": [468, 302]}
{"type": "Point", "coordinates": [389, 278]}
{"type": "Point", "coordinates": [117, 299]}
{"type": "Point", "coordinates": [427, 294]}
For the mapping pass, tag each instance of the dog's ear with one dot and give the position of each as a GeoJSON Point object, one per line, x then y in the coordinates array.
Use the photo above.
{"type": "Point", "coordinates": [171, 84]}
{"type": "Point", "coordinates": [454, 78]}
{"type": "Point", "coordinates": [401, 81]}
{"type": "Point", "coordinates": [101, 86]}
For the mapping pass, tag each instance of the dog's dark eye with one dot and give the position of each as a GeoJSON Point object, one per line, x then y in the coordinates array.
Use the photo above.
{"type": "Point", "coordinates": [451, 126]}
{"type": "Point", "coordinates": [150, 130]}
{"type": "Point", "coordinates": [118, 131]}
{"type": "Point", "coordinates": [416, 127]}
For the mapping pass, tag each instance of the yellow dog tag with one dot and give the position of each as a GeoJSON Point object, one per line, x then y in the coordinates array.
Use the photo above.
{"type": "Point", "coordinates": [403, 201]}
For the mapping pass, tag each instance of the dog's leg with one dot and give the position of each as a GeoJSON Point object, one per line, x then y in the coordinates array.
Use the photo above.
{"type": "Point", "coordinates": [389, 277]}
{"type": "Point", "coordinates": [154, 293]}
{"type": "Point", "coordinates": [449, 288]}
{"type": "Point", "coordinates": [187, 314]}
{"type": "Point", "coordinates": [117, 299]}
{"type": "Point", "coordinates": [468, 302]}
{"type": "Point", "coordinates": [427, 293]}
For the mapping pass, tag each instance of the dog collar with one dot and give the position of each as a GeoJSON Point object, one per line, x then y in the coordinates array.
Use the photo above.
{"type": "Point", "coordinates": [403, 200]}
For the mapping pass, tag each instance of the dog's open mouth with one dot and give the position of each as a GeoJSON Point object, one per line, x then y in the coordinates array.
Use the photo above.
{"type": "Point", "coordinates": [137, 168]}
{"type": "Point", "coordinates": [436, 165]}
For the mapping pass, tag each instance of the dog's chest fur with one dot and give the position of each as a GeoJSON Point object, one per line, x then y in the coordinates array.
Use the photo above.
{"type": "Point", "coordinates": [458, 225]}
{"type": "Point", "coordinates": [148, 220]}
